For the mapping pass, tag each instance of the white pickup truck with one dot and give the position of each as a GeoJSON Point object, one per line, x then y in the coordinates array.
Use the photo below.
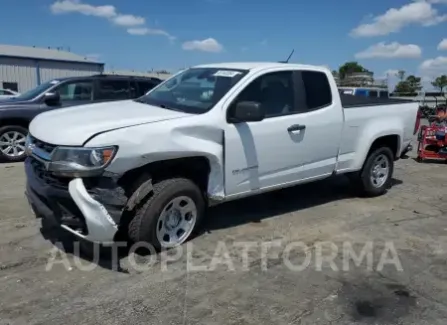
{"type": "Point", "coordinates": [212, 133]}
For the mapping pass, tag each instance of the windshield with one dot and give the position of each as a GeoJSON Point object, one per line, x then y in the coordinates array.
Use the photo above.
{"type": "Point", "coordinates": [194, 90]}
{"type": "Point", "coordinates": [30, 94]}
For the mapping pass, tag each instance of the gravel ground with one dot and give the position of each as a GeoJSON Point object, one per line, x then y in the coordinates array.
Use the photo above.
{"type": "Point", "coordinates": [402, 279]}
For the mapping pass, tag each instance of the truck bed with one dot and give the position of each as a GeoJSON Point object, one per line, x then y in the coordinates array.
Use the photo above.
{"type": "Point", "coordinates": [350, 101]}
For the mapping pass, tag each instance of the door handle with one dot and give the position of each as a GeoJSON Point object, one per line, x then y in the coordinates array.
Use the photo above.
{"type": "Point", "coordinates": [296, 127]}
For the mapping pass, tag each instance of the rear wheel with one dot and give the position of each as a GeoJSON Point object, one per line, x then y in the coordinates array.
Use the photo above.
{"type": "Point", "coordinates": [12, 143]}
{"type": "Point", "coordinates": [375, 177]}
{"type": "Point", "coordinates": [169, 217]}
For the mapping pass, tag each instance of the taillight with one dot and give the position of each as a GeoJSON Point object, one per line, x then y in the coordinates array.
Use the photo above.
{"type": "Point", "coordinates": [418, 121]}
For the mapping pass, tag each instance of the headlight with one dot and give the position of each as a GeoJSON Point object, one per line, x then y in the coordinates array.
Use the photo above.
{"type": "Point", "coordinates": [81, 162]}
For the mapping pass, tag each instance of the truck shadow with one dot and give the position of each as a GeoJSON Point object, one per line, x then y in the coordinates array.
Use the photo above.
{"type": "Point", "coordinates": [232, 214]}
{"type": "Point", "coordinates": [255, 209]}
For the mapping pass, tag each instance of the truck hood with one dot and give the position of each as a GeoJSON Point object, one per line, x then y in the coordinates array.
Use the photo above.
{"type": "Point", "coordinates": [75, 125]}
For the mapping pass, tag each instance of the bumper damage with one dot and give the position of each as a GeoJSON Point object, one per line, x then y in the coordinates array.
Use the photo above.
{"type": "Point", "coordinates": [91, 212]}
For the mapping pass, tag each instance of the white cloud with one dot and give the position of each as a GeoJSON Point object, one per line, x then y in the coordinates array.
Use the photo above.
{"type": "Point", "coordinates": [443, 45]}
{"type": "Point", "coordinates": [393, 50]}
{"type": "Point", "coordinates": [206, 45]}
{"type": "Point", "coordinates": [108, 12]}
{"type": "Point", "coordinates": [128, 20]}
{"type": "Point", "coordinates": [93, 56]}
{"type": "Point", "coordinates": [394, 19]}
{"type": "Point", "coordinates": [433, 1]}
{"type": "Point", "coordinates": [76, 6]}
{"type": "Point", "coordinates": [391, 73]}
{"type": "Point", "coordinates": [434, 67]}
{"type": "Point", "coordinates": [149, 31]}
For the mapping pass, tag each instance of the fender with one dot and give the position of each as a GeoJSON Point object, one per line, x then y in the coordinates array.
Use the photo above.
{"type": "Point", "coordinates": [374, 130]}
{"type": "Point", "coordinates": [154, 143]}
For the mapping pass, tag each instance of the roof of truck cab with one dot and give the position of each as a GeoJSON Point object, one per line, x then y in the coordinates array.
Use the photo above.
{"type": "Point", "coordinates": [258, 65]}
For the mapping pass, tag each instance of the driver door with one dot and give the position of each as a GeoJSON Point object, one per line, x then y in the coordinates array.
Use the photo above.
{"type": "Point", "coordinates": [266, 153]}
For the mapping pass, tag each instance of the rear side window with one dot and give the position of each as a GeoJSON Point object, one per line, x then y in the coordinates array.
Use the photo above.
{"type": "Point", "coordinates": [144, 87]}
{"type": "Point", "coordinates": [361, 92]}
{"type": "Point", "coordinates": [373, 93]}
{"type": "Point", "coordinates": [317, 89]}
{"type": "Point", "coordinates": [113, 89]}
{"type": "Point", "coordinates": [383, 94]}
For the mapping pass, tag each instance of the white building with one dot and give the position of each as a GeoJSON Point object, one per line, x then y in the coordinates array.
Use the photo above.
{"type": "Point", "coordinates": [23, 68]}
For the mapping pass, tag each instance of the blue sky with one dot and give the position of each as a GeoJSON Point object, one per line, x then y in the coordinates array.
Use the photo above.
{"type": "Point", "coordinates": [383, 35]}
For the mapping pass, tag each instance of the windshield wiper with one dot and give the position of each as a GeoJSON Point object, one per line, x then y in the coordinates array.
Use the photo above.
{"type": "Point", "coordinates": [141, 100]}
{"type": "Point", "coordinates": [170, 108]}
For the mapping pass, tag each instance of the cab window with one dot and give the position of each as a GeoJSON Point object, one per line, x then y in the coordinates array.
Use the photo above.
{"type": "Point", "coordinates": [274, 91]}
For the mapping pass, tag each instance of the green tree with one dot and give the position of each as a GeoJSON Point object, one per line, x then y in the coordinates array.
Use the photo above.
{"type": "Point", "coordinates": [440, 82]}
{"type": "Point", "coordinates": [414, 83]}
{"type": "Point", "coordinates": [402, 87]}
{"type": "Point", "coordinates": [401, 75]}
{"type": "Point", "coordinates": [350, 67]}
{"type": "Point", "coordinates": [411, 84]}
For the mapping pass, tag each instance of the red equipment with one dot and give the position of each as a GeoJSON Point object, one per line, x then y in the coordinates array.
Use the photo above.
{"type": "Point", "coordinates": [431, 146]}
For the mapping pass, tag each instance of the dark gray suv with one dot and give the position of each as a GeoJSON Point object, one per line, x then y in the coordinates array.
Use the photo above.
{"type": "Point", "coordinates": [17, 113]}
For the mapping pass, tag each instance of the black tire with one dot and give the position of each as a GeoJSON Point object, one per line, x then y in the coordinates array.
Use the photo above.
{"type": "Point", "coordinates": [12, 128]}
{"type": "Point", "coordinates": [362, 180]}
{"type": "Point", "coordinates": [142, 228]}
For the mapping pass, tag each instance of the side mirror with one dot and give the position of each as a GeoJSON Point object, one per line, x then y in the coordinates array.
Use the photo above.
{"type": "Point", "coordinates": [52, 99]}
{"type": "Point", "coordinates": [246, 112]}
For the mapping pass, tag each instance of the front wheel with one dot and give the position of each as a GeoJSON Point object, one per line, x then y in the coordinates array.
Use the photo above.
{"type": "Point", "coordinates": [12, 143]}
{"type": "Point", "coordinates": [169, 217]}
{"type": "Point", "coordinates": [375, 177]}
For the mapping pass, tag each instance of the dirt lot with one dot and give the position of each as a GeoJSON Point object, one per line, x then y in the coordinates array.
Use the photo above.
{"type": "Point", "coordinates": [408, 224]}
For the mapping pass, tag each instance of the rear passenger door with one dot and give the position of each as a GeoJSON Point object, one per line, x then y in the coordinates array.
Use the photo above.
{"type": "Point", "coordinates": [112, 89]}
{"type": "Point", "coordinates": [322, 116]}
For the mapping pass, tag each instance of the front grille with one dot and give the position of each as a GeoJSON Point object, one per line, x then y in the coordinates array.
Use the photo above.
{"type": "Point", "coordinates": [47, 177]}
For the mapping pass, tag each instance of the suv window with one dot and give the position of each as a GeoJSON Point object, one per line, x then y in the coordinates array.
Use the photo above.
{"type": "Point", "coordinates": [373, 93]}
{"type": "Point", "coordinates": [113, 89]}
{"type": "Point", "coordinates": [76, 91]}
{"type": "Point", "coordinates": [317, 89]}
{"type": "Point", "coordinates": [4, 92]}
{"type": "Point", "coordinates": [145, 86]}
{"type": "Point", "coordinates": [273, 90]}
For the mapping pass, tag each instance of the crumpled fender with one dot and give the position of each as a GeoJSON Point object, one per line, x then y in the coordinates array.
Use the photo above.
{"type": "Point", "coordinates": [140, 145]}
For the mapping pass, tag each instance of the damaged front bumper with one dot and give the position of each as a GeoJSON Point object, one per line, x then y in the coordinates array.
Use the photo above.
{"type": "Point", "coordinates": [89, 212]}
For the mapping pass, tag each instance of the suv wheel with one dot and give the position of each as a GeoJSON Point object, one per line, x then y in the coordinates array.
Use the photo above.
{"type": "Point", "coordinates": [12, 143]}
